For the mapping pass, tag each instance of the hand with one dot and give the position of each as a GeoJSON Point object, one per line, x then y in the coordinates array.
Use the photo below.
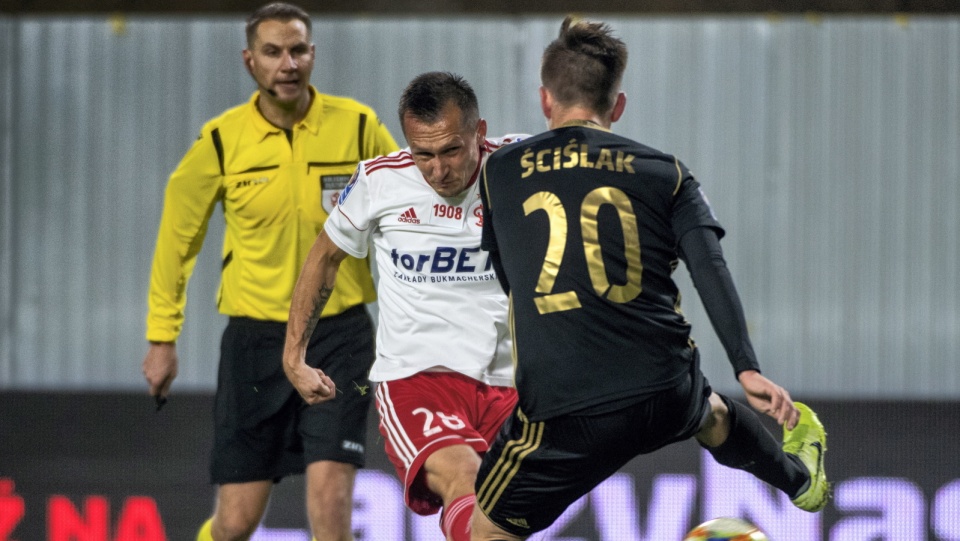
{"type": "Point", "coordinates": [160, 367]}
{"type": "Point", "coordinates": [312, 384]}
{"type": "Point", "coordinates": [767, 397]}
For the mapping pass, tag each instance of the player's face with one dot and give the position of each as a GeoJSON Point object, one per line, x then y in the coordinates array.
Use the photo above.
{"type": "Point", "coordinates": [281, 60]}
{"type": "Point", "coordinates": [446, 152]}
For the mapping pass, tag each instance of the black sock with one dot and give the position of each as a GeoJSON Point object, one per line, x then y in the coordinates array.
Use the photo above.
{"type": "Point", "coordinates": [750, 447]}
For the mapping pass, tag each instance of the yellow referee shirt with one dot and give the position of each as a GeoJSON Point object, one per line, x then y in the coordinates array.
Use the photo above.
{"type": "Point", "coordinates": [276, 194]}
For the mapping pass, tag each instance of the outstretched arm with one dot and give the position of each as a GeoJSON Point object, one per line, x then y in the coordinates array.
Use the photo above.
{"type": "Point", "coordinates": [700, 250]}
{"type": "Point", "coordinates": [310, 295]}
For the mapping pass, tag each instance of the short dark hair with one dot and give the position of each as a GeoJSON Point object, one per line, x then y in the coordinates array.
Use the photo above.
{"type": "Point", "coordinates": [584, 65]}
{"type": "Point", "coordinates": [428, 93]}
{"type": "Point", "coordinates": [276, 11]}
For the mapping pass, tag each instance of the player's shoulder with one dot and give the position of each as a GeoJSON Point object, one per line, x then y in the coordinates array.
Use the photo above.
{"type": "Point", "coordinates": [399, 162]}
{"type": "Point", "coordinates": [499, 146]}
{"type": "Point", "coordinates": [236, 116]}
{"type": "Point", "coordinates": [332, 103]}
{"type": "Point", "coordinates": [647, 151]}
{"type": "Point", "coordinates": [656, 165]}
{"type": "Point", "coordinates": [643, 155]}
{"type": "Point", "coordinates": [639, 149]}
{"type": "Point", "coordinates": [520, 142]}
{"type": "Point", "coordinates": [492, 144]}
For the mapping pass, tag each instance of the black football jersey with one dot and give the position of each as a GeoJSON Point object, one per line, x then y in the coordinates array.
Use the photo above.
{"type": "Point", "coordinates": [584, 225]}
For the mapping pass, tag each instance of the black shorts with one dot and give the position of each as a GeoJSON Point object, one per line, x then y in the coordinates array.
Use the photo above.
{"type": "Point", "coordinates": [535, 470]}
{"type": "Point", "coordinates": [262, 428]}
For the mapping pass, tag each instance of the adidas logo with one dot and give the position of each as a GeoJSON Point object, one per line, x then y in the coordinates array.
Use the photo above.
{"type": "Point", "coordinates": [409, 217]}
{"type": "Point", "coordinates": [521, 522]}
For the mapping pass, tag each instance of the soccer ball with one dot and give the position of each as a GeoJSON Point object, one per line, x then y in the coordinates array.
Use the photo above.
{"type": "Point", "coordinates": [726, 529]}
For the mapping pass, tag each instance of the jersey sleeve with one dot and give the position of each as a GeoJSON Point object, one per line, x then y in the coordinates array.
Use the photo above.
{"type": "Point", "coordinates": [350, 224]}
{"type": "Point", "coordinates": [191, 195]}
{"type": "Point", "coordinates": [701, 252]}
{"type": "Point", "coordinates": [691, 208]}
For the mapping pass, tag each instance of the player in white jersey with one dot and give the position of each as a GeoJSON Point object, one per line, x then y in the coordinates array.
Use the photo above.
{"type": "Point", "coordinates": [443, 362]}
{"type": "Point", "coordinates": [429, 261]}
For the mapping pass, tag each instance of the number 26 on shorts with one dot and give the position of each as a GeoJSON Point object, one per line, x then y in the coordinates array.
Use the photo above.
{"type": "Point", "coordinates": [435, 421]}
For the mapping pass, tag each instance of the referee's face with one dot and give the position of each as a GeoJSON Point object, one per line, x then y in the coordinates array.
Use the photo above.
{"type": "Point", "coordinates": [281, 60]}
{"type": "Point", "coordinates": [446, 152]}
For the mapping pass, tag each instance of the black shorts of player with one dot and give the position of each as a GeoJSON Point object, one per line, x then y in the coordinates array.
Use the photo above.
{"type": "Point", "coordinates": [263, 430]}
{"type": "Point", "coordinates": [535, 470]}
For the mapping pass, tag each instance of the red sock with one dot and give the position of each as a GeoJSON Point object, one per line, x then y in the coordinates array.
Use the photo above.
{"type": "Point", "coordinates": [456, 518]}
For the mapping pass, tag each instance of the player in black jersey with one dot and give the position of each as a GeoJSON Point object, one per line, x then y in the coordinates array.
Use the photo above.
{"type": "Point", "coordinates": [585, 228]}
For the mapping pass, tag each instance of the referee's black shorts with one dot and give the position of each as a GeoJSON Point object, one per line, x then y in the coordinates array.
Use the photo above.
{"type": "Point", "coordinates": [535, 470]}
{"type": "Point", "coordinates": [262, 428]}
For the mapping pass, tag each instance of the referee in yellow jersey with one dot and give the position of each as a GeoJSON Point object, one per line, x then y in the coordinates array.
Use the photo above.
{"type": "Point", "coordinates": [276, 164]}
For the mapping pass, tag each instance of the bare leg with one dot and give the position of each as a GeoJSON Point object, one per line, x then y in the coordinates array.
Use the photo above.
{"type": "Point", "coordinates": [330, 500]}
{"type": "Point", "coordinates": [239, 510]}
{"type": "Point", "coordinates": [717, 428]}
{"type": "Point", "coordinates": [451, 473]}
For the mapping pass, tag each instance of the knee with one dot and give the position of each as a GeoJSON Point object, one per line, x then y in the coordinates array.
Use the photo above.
{"type": "Point", "coordinates": [452, 472]}
{"type": "Point", "coordinates": [331, 514]}
{"type": "Point", "coordinates": [330, 499]}
{"type": "Point", "coordinates": [234, 527]}
{"type": "Point", "coordinates": [329, 509]}
{"type": "Point", "coordinates": [332, 496]}
{"type": "Point", "coordinates": [450, 484]}
{"type": "Point", "coordinates": [716, 426]}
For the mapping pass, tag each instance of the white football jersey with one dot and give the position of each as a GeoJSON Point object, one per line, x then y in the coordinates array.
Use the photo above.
{"type": "Point", "coordinates": [440, 303]}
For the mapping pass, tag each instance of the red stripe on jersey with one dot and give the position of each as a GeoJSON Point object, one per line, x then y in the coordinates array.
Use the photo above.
{"type": "Point", "coordinates": [398, 161]}
{"type": "Point", "coordinates": [401, 155]}
{"type": "Point", "coordinates": [344, 214]}
{"type": "Point", "coordinates": [492, 145]}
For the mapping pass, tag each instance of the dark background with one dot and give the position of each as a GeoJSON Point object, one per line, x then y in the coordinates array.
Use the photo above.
{"type": "Point", "coordinates": [118, 446]}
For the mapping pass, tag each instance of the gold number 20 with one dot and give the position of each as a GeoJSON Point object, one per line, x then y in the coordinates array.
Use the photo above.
{"type": "Point", "coordinates": [589, 209]}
